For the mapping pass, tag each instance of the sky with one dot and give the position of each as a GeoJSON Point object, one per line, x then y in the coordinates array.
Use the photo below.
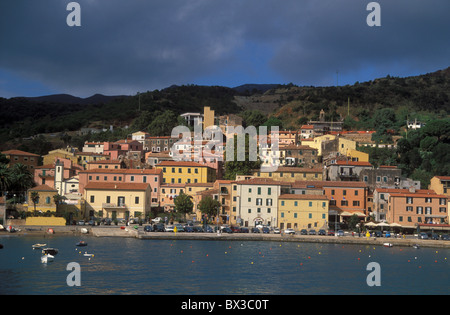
{"type": "Point", "coordinates": [126, 47]}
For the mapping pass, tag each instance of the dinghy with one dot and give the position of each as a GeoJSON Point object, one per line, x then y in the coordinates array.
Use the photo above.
{"type": "Point", "coordinates": [47, 258]}
{"type": "Point", "coordinates": [38, 246]}
{"type": "Point", "coordinates": [50, 251]}
{"type": "Point", "coordinates": [81, 243]}
{"type": "Point", "coordinates": [387, 245]}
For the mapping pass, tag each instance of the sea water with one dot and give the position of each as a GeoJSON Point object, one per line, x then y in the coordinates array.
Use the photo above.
{"type": "Point", "coordinates": [194, 267]}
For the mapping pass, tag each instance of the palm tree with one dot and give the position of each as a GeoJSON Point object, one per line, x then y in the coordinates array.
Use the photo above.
{"type": "Point", "coordinates": [21, 180]}
{"type": "Point", "coordinates": [58, 200]}
{"type": "Point", "coordinates": [35, 199]}
{"type": "Point", "coordinates": [5, 177]}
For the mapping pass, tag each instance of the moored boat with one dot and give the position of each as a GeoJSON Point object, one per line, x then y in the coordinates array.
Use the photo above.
{"type": "Point", "coordinates": [38, 246]}
{"type": "Point", "coordinates": [49, 251]}
{"type": "Point", "coordinates": [81, 243]}
{"type": "Point", "coordinates": [387, 244]}
{"type": "Point", "coordinates": [47, 258]}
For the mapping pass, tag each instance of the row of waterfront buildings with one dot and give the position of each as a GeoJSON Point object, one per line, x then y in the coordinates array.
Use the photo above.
{"type": "Point", "coordinates": [320, 179]}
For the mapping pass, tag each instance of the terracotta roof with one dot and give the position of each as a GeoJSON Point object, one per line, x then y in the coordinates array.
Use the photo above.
{"type": "Point", "coordinates": [105, 162]}
{"type": "Point", "coordinates": [116, 186]}
{"type": "Point", "coordinates": [42, 188]}
{"type": "Point", "coordinates": [285, 169]}
{"type": "Point", "coordinates": [18, 152]}
{"type": "Point", "coordinates": [261, 181]}
{"type": "Point", "coordinates": [303, 197]}
{"type": "Point", "coordinates": [417, 195]}
{"type": "Point", "coordinates": [352, 163]}
{"type": "Point", "coordinates": [296, 147]}
{"type": "Point", "coordinates": [152, 171]}
{"type": "Point", "coordinates": [443, 177]}
{"type": "Point", "coordinates": [180, 164]}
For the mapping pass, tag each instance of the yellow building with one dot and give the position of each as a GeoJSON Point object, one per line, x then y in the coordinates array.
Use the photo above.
{"type": "Point", "coordinates": [45, 202]}
{"type": "Point", "coordinates": [302, 211]}
{"type": "Point", "coordinates": [83, 158]}
{"type": "Point", "coordinates": [322, 143]}
{"type": "Point", "coordinates": [208, 117]}
{"type": "Point", "coordinates": [175, 172]}
{"type": "Point", "coordinates": [291, 174]}
{"type": "Point", "coordinates": [122, 200]}
{"type": "Point", "coordinates": [441, 185]}
{"type": "Point", "coordinates": [357, 156]}
{"type": "Point", "coordinates": [52, 156]}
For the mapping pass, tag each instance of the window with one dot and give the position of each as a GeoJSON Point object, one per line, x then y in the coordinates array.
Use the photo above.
{"type": "Point", "coordinates": [419, 210]}
{"type": "Point", "coordinates": [427, 210]}
{"type": "Point", "coordinates": [132, 178]}
{"type": "Point", "coordinates": [259, 190]}
{"type": "Point", "coordinates": [310, 215]}
{"type": "Point", "coordinates": [269, 191]}
{"type": "Point", "coordinates": [173, 169]}
{"type": "Point", "coordinates": [258, 210]}
{"type": "Point", "coordinates": [400, 218]}
{"type": "Point", "coordinates": [108, 199]}
{"type": "Point", "coordinates": [196, 170]}
{"type": "Point", "coordinates": [189, 171]}
{"type": "Point", "coordinates": [295, 203]}
{"type": "Point", "coordinates": [180, 170]}
{"type": "Point", "coordinates": [268, 202]}
{"type": "Point", "coordinates": [356, 193]}
{"type": "Point", "coordinates": [249, 210]}
{"type": "Point", "coordinates": [144, 179]}
{"type": "Point", "coordinates": [344, 192]}
{"type": "Point", "coordinates": [136, 200]}
{"type": "Point", "coordinates": [355, 203]}
{"type": "Point", "coordinates": [310, 203]}
{"type": "Point", "coordinates": [282, 202]}
{"type": "Point", "coordinates": [295, 215]}
{"type": "Point", "coordinates": [344, 203]}
{"type": "Point", "coordinates": [282, 214]}
{"type": "Point", "coordinates": [259, 201]}
{"type": "Point", "coordinates": [409, 200]}
{"type": "Point", "coordinates": [427, 200]}
{"type": "Point", "coordinates": [92, 198]}
{"type": "Point", "coordinates": [409, 208]}
{"type": "Point", "coordinates": [332, 192]}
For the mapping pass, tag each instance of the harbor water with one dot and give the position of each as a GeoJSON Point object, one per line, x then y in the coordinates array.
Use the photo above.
{"type": "Point", "coordinates": [194, 267]}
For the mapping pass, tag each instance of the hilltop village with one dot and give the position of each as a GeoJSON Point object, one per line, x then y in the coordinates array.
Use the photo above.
{"type": "Point", "coordinates": [317, 179]}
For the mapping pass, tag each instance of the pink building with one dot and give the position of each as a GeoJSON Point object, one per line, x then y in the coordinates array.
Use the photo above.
{"type": "Point", "coordinates": [122, 148]}
{"type": "Point", "coordinates": [45, 174]}
{"type": "Point", "coordinates": [151, 176]}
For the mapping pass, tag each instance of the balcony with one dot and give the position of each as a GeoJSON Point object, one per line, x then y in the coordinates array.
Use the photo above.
{"type": "Point", "coordinates": [113, 206]}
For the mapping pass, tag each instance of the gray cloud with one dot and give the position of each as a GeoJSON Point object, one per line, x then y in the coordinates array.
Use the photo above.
{"type": "Point", "coordinates": [131, 46]}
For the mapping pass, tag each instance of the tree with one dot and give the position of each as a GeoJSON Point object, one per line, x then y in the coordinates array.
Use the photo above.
{"type": "Point", "coordinates": [209, 206]}
{"type": "Point", "coordinates": [234, 167]}
{"type": "Point", "coordinates": [35, 199]}
{"type": "Point", "coordinates": [58, 200]}
{"type": "Point", "coordinates": [183, 204]}
{"type": "Point", "coordinates": [162, 123]}
{"type": "Point", "coordinates": [21, 180]}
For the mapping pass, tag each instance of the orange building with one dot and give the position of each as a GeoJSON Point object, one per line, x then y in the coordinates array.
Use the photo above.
{"type": "Point", "coordinates": [414, 208]}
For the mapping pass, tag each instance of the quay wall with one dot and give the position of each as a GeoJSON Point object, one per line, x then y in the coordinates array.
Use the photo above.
{"type": "Point", "coordinates": [129, 231]}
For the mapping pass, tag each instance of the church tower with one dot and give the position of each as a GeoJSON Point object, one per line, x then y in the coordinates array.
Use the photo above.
{"type": "Point", "coordinates": [59, 177]}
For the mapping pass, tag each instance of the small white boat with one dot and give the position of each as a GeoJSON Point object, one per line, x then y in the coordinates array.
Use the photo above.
{"type": "Point", "coordinates": [387, 245]}
{"type": "Point", "coordinates": [38, 246]}
{"type": "Point", "coordinates": [88, 255]}
{"type": "Point", "coordinates": [416, 246]}
{"type": "Point", "coordinates": [84, 231]}
{"type": "Point", "coordinates": [47, 258]}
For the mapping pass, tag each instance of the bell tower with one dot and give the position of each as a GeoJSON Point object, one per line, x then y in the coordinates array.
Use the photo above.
{"type": "Point", "coordinates": [59, 177]}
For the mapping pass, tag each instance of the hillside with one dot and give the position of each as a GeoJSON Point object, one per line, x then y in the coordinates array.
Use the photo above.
{"type": "Point", "coordinates": [423, 97]}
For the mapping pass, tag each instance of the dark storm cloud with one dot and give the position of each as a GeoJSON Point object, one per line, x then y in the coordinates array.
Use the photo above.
{"type": "Point", "coordinates": [131, 46]}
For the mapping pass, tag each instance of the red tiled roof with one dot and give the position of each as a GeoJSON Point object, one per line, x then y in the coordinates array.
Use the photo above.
{"type": "Point", "coordinates": [152, 171]}
{"type": "Point", "coordinates": [42, 188]}
{"type": "Point", "coordinates": [18, 152]}
{"type": "Point", "coordinates": [180, 164]}
{"type": "Point", "coordinates": [116, 186]}
{"type": "Point", "coordinates": [303, 197]}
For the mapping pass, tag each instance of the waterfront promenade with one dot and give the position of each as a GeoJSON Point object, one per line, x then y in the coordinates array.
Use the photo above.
{"type": "Point", "coordinates": [132, 232]}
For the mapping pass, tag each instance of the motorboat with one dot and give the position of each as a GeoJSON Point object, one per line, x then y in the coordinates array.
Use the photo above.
{"type": "Point", "coordinates": [416, 246]}
{"type": "Point", "coordinates": [49, 251]}
{"type": "Point", "coordinates": [38, 246]}
{"type": "Point", "coordinates": [47, 258]}
{"type": "Point", "coordinates": [84, 231]}
{"type": "Point", "coordinates": [88, 255]}
{"type": "Point", "coordinates": [81, 243]}
{"type": "Point", "coordinates": [387, 244]}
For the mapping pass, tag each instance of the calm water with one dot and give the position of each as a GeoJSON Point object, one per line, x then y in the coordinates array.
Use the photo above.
{"type": "Point", "coordinates": [132, 266]}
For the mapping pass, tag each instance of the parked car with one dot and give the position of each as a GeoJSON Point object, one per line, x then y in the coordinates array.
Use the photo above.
{"type": "Point", "coordinates": [188, 229]}
{"type": "Point", "coordinates": [289, 231]}
{"type": "Point", "coordinates": [255, 230]}
{"type": "Point", "coordinates": [423, 236]}
{"type": "Point", "coordinates": [330, 233]}
{"type": "Point", "coordinates": [159, 227]}
{"type": "Point", "coordinates": [179, 227]}
{"type": "Point", "coordinates": [303, 232]}
{"type": "Point", "coordinates": [388, 234]}
{"type": "Point", "coordinates": [377, 234]}
{"type": "Point", "coordinates": [276, 231]}
{"type": "Point", "coordinates": [265, 230]}
{"type": "Point", "coordinates": [243, 230]}
{"type": "Point", "coordinates": [312, 232]}
{"type": "Point", "coordinates": [81, 222]}
{"type": "Point", "coordinates": [169, 228]}
{"type": "Point", "coordinates": [197, 229]}
{"type": "Point", "coordinates": [148, 228]}
{"type": "Point", "coordinates": [434, 236]}
{"type": "Point", "coordinates": [107, 221]}
{"type": "Point", "coordinates": [236, 229]}
{"type": "Point", "coordinates": [156, 220]}
{"type": "Point", "coordinates": [227, 230]}
{"type": "Point", "coordinates": [445, 237]}
{"type": "Point", "coordinates": [208, 229]}
{"type": "Point", "coordinates": [322, 232]}
{"type": "Point", "coordinates": [340, 233]}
